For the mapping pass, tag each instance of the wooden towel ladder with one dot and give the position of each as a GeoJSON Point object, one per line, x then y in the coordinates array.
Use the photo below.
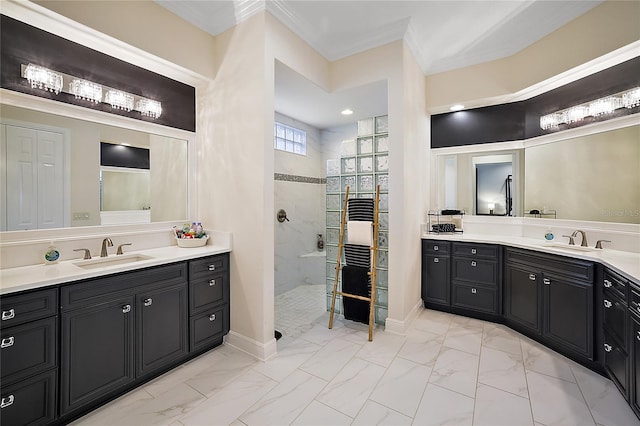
{"type": "Point", "coordinates": [372, 269]}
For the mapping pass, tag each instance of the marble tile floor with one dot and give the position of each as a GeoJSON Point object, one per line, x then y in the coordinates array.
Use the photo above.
{"type": "Point", "coordinates": [447, 370]}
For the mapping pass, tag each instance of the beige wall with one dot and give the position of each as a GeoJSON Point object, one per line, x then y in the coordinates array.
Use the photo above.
{"type": "Point", "coordinates": [606, 27]}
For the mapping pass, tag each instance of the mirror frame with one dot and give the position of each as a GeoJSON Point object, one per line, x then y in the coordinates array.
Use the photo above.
{"type": "Point", "coordinates": [40, 17]}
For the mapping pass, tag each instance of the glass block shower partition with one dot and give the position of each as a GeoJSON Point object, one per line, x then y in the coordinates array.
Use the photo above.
{"type": "Point", "coordinates": [363, 164]}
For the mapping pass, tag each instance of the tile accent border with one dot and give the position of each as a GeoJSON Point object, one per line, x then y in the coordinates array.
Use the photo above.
{"type": "Point", "coordinates": [297, 178]}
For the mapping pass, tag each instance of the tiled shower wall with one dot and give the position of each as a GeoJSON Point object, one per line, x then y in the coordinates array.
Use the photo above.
{"type": "Point", "coordinates": [299, 187]}
{"type": "Point", "coordinates": [362, 165]}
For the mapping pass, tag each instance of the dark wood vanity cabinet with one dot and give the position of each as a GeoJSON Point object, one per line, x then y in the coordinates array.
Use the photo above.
{"type": "Point", "coordinates": [550, 298]}
{"type": "Point", "coordinates": [29, 357]}
{"type": "Point", "coordinates": [117, 329]}
{"type": "Point", "coordinates": [461, 277]}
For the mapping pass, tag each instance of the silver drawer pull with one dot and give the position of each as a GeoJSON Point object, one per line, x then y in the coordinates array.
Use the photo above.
{"type": "Point", "coordinates": [473, 263]}
{"type": "Point", "coordinates": [532, 277]}
{"type": "Point", "coordinates": [212, 317]}
{"type": "Point", "coordinates": [212, 283]}
{"type": "Point", "coordinates": [126, 309]}
{"type": "Point", "coordinates": [473, 251]}
{"type": "Point", "coordinates": [212, 267]}
{"type": "Point", "coordinates": [6, 342]}
{"type": "Point", "coordinates": [474, 291]}
{"type": "Point", "coordinates": [638, 335]}
{"type": "Point", "coordinates": [607, 283]}
{"type": "Point", "coordinates": [7, 401]}
{"type": "Point", "coordinates": [607, 347]}
{"type": "Point", "coordinates": [547, 281]}
{"type": "Point", "coordinates": [436, 260]}
{"type": "Point", "coordinates": [148, 302]}
{"type": "Point", "coordinates": [436, 248]}
{"type": "Point", "coordinates": [7, 315]}
{"type": "Point", "coordinates": [607, 304]}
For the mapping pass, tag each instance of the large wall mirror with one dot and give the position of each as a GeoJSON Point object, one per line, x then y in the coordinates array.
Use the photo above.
{"type": "Point", "coordinates": [593, 177]}
{"type": "Point", "coordinates": [53, 178]}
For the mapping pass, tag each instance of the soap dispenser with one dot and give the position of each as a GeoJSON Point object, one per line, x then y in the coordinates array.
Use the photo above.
{"type": "Point", "coordinates": [51, 255]}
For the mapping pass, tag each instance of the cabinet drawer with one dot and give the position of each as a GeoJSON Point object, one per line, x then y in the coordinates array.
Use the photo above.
{"type": "Point", "coordinates": [581, 270]}
{"type": "Point", "coordinates": [207, 292]}
{"type": "Point", "coordinates": [31, 401]}
{"type": "Point", "coordinates": [208, 265]}
{"type": "Point", "coordinates": [476, 250]}
{"type": "Point", "coordinates": [436, 247]}
{"type": "Point", "coordinates": [615, 363]}
{"type": "Point", "coordinates": [475, 271]}
{"type": "Point", "coordinates": [23, 307]}
{"type": "Point", "coordinates": [616, 284]}
{"type": "Point", "coordinates": [103, 290]}
{"type": "Point", "coordinates": [475, 297]}
{"type": "Point", "coordinates": [615, 318]}
{"type": "Point", "coordinates": [209, 327]}
{"type": "Point", "coordinates": [28, 349]}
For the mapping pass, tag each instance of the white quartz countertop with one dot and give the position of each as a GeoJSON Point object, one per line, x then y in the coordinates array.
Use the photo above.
{"type": "Point", "coordinates": [625, 263]}
{"type": "Point", "coordinates": [39, 276]}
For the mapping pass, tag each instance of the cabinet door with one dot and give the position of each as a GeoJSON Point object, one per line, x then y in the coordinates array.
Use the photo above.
{"type": "Point", "coordinates": [31, 401]}
{"type": "Point", "coordinates": [97, 352]}
{"type": "Point", "coordinates": [635, 367]}
{"type": "Point", "coordinates": [435, 279]}
{"type": "Point", "coordinates": [568, 314]}
{"type": "Point", "coordinates": [522, 297]}
{"type": "Point", "coordinates": [161, 327]}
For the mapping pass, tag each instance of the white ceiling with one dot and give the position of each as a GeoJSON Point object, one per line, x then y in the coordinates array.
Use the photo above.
{"type": "Point", "coordinates": [443, 35]}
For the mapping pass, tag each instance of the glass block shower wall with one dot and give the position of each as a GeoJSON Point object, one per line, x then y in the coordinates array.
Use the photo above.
{"type": "Point", "coordinates": [363, 164]}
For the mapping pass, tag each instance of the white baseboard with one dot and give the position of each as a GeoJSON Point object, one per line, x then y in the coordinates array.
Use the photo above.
{"type": "Point", "coordinates": [401, 326]}
{"type": "Point", "coordinates": [260, 351]}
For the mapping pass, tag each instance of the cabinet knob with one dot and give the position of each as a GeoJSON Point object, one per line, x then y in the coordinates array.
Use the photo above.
{"type": "Point", "coordinates": [436, 248]}
{"type": "Point", "coordinates": [607, 304]}
{"type": "Point", "coordinates": [7, 401]}
{"type": "Point", "coordinates": [7, 315]}
{"type": "Point", "coordinates": [212, 267]}
{"type": "Point", "coordinates": [126, 309]}
{"type": "Point", "coordinates": [212, 283]}
{"type": "Point", "coordinates": [148, 301]}
{"type": "Point", "coordinates": [6, 342]}
{"type": "Point", "coordinates": [607, 283]}
{"type": "Point", "coordinates": [474, 291]}
{"type": "Point", "coordinates": [473, 251]}
{"type": "Point", "coordinates": [607, 347]}
{"type": "Point", "coordinates": [547, 281]}
{"type": "Point", "coordinates": [212, 317]}
{"type": "Point", "coordinates": [436, 260]}
{"type": "Point", "coordinates": [473, 263]}
{"type": "Point", "coordinates": [532, 277]}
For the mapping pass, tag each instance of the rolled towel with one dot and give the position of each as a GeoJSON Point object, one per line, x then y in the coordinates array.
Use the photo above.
{"type": "Point", "coordinates": [360, 232]}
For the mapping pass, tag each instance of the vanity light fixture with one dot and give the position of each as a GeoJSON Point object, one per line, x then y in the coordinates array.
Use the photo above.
{"type": "Point", "coordinates": [87, 90]}
{"type": "Point", "coordinates": [149, 107]}
{"type": "Point", "coordinates": [346, 111]}
{"type": "Point", "coordinates": [119, 99]}
{"type": "Point", "coordinates": [43, 78]}
{"type": "Point", "coordinates": [596, 108]}
{"type": "Point", "coordinates": [457, 107]}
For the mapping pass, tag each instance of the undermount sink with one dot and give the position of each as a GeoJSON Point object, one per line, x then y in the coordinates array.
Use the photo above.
{"type": "Point", "coordinates": [568, 247]}
{"type": "Point", "coordinates": [103, 262]}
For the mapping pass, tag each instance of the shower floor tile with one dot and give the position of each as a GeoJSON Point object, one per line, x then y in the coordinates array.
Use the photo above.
{"type": "Point", "coordinates": [298, 309]}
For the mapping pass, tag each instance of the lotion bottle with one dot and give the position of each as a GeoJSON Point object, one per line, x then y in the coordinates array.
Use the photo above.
{"type": "Point", "coordinates": [51, 255]}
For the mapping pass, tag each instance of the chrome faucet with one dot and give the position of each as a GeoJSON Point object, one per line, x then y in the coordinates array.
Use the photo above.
{"type": "Point", "coordinates": [106, 243]}
{"type": "Point", "coordinates": [584, 237]}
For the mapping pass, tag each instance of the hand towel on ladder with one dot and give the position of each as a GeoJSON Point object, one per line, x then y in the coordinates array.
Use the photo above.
{"type": "Point", "coordinates": [355, 280]}
{"type": "Point", "coordinates": [360, 209]}
{"type": "Point", "coordinates": [360, 232]}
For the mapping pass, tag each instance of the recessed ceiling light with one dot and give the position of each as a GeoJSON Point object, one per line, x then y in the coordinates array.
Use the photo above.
{"type": "Point", "coordinates": [457, 107]}
{"type": "Point", "coordinates": [346, 112]}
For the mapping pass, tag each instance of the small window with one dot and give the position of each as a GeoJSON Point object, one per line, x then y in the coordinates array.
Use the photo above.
{"type": "Point", "coordinates": [289, 139]}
